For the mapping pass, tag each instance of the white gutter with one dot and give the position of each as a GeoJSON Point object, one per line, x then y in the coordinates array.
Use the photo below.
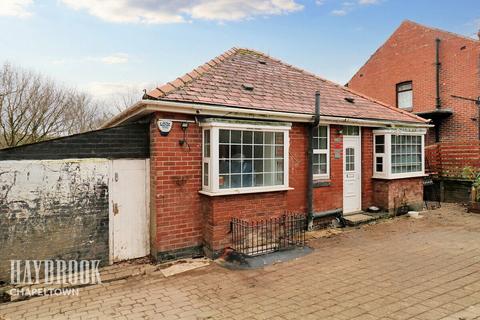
{"type": "Point", "coordinates": [144, 107]}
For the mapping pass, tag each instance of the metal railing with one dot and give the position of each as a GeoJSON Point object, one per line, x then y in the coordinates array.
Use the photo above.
{"type": "Point", "coordinates": [268, 235]}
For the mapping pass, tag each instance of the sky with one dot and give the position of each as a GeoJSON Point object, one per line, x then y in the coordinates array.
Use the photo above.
{"type": "Point", "coordinates": [115, 48]}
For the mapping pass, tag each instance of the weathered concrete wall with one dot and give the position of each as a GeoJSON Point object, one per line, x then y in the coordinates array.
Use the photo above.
{"type": "Point", "coordinates": [53, 209]}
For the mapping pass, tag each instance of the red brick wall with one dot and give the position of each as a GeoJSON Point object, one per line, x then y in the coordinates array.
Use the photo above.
{"type": "Point", "coordinates": [367, 168]}
{"type": "Point", "coordinates": [331, 197]}
{"type": "Point", "coordinates": [182, 218]}
{"type": "Point", "coordinates": [391, 194]}
{"type": "Point", "coordinates": [409, 54]}
{"type": "Point", "coordinates": [219, 210]}
{"type": "Point", "coordinates": [176, 178]}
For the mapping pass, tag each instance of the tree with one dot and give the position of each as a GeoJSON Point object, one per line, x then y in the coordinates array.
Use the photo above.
{"type": "Point", "coordinates": [34, 108]}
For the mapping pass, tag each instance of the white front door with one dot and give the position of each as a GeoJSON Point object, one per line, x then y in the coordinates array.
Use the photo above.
{"type": "Point", "coordinates": [352, 174]}
{"type": "Point", "coordinates": [129, 209]}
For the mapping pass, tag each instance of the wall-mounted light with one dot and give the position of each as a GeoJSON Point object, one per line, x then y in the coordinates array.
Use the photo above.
{"type": "Point", "coordinates": [340, 131]}
{"type": "Point", "coordinates": [183, 141]}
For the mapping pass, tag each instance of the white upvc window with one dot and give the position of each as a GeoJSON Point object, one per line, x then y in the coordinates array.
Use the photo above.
{"type": "Point", "coordinates": [398, 153]}
{"type": "Point", "coordinates": [244, 156]}
{"type": "Point", "coordinates": [321, 152]}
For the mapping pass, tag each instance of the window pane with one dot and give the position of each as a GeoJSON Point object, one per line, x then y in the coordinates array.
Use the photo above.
{"type": "Point", "coordinates": [258, 166]}
{"type": "Point", "coordinates": [224, 181]}
{"type": "Point", "coordinates": [405, 99]}
{"type": "Point", "coordinates": [247, 137]}
{"type": "Point", "coordinates": [224, 166]}
{"type": "Point", "coordinates": [236, 136]}
{"type": "Point", "coordinates": [279, 138]}
{"type": "Point", "coordinates": [350, 159]}
{"type": "Point", "coordinates": [379, 164]}
{"type": "Point", "coordinates": [247, 180]}
{"type": "Point", "coordinates": [224, 136]}
{"type": "Point", "coordinates": [258, 137]}
{"type": "Point", "coordinates": [351, 130]}
{"type": "Point", "coordinates": [279, 151]}
{"type": "Point", "coordinates": [236, 166]}
{"type": "Point", "coordinates": [205, 174]}
{"type": "Point", "coordinates": [268, 165]}
{"type": "Point", "coordinates": [380, 144]}
{"type": "Point", "coordinates": [405, 86]}
{"type": "Point", "coordinates": [269, 138]}
{"type": "Point", "coordinates": [235, 181]}
{"type": "Point", "coordinates": [258, 180]}
{"type": "Point", "coordinates": [247, 151]}
{"type": "Point", "coordinates": [236, 151]}
{"type": "Point", "coordinates": [224, 151]}
{"type": "Point", "coordinates": [268, 152]}
{"type": "Point", "coordinates": [268, 179]}
{"type": "Point", "coordinates": [279, 179]}
{"type": "Point", "coordinates": [258, 151]}
{"type": "Point", "coordinates": [279, 165]}
{"type": "Point", "coordinates": [320, 163]}
{"type": "Point", "coordinates": [206, 143]}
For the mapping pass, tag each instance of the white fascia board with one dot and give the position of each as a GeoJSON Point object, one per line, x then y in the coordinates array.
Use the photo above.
{"type": "Point", "coordinates": [144, 107]}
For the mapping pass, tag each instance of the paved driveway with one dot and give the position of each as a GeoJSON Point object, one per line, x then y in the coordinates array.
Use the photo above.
{"type": "Point", "coordinates": [399, 269]}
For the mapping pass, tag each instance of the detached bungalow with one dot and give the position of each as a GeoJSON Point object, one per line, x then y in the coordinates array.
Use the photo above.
{"type": "Point", "coordinates": [232, 138]}
{"type": "Point", "coordinates": [243, 136]}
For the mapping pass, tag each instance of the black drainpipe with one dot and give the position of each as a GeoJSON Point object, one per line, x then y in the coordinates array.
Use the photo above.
{"type": "Point", "coordinates": [438, 102]}
{"type": "Point", "coordinates": [311, 127]}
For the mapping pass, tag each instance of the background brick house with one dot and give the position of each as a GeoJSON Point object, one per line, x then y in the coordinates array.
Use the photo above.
{"type": "Point", "coordinates": [435, 74]}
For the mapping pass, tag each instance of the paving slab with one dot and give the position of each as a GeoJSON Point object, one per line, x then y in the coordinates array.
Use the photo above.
{"type": "Point", "coordinates": [399, 268]}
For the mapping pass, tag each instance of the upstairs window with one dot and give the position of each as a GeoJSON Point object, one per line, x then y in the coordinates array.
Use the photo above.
{"type": "Point", "coordinates": [405, 95]}
{"type": "Point", "coordinates": [398, 153]}
{"type": "Point", "coordinates": [244, 157]}
{"type": "Point", "coordinates": [321, 152]}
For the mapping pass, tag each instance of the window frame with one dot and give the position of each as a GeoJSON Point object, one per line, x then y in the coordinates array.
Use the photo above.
{"type": "Point", "coordinates": [215, 125]}
{"type": "Point", "coordinates": [397, 92]}
{"type": "Point", "coordinates": [387, 154]}
{"type": "Point", "coordinates": [323, 176]}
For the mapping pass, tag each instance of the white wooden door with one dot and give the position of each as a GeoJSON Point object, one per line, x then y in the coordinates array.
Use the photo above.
{"type": "Point", "coordinates": [352, 174]}
{"type": "Point", "coordinates": [129, 209]}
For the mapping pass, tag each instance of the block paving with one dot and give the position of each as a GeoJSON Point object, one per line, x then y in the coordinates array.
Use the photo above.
{"type": "Point", "coordinates": [394, 269]}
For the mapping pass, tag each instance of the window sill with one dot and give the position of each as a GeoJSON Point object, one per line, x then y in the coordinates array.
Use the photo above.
{"type": "Point", "coordinates": [321, 183]}
{"type": "Point", "coordinates": [240, 191]}
{"type": "Point", "coordinates": [393, 177]}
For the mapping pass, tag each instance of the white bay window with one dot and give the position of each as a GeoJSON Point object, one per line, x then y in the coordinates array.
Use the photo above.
{"type": "Point", "coordinates": [398, 153]}
{"type": "Point", "coordinates": [244, 156]}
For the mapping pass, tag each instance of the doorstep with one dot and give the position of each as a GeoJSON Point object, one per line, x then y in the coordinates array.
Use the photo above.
{"type": "Point", "coordinates": [363, 217]}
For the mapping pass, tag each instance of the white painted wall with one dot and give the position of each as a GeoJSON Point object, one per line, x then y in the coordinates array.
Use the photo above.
{"type": "Point", "coordinates": [29, 186]}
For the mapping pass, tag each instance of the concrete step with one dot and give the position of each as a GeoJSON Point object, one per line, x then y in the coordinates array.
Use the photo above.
{"type": "Point", "coordinates": [360, 218]}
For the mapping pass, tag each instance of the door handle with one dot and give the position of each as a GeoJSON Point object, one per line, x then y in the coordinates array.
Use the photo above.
{"type": "Point", "coordinates": [115, 208]}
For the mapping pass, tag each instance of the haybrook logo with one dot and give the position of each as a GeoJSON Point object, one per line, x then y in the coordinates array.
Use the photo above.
{"type": "Point", "coordinates": [28, 292]}
{"type": "Point", "coordinates": [48, 272]}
